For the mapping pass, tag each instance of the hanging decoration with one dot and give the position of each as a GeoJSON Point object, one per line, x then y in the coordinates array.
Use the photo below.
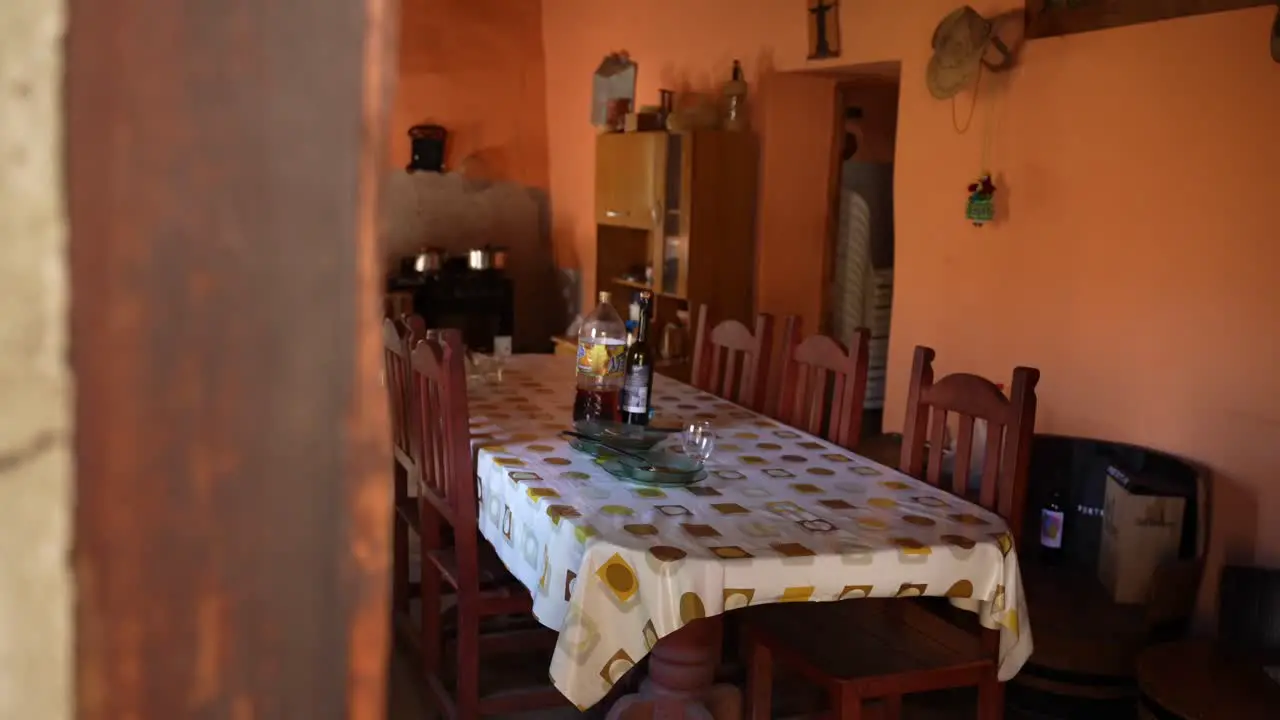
{"type": "Point", "coordinates": [981, 208]}
{"type": "Point", "coordinates": [964, 45]}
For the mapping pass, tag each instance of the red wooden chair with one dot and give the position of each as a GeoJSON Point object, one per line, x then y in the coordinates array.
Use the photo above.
{"type": "Point", "coordinates": [415, 326]}
{"type": "Point", "coordinates": [859, 650]}
{"type": "Point", "coordinates": [819, 373]}
{"type": "Point", "coordinates": [396, 340]}
{"type": "Point", "coordinates": [730, 361]}
{"type": "Point", "coordinates": [469, 566]}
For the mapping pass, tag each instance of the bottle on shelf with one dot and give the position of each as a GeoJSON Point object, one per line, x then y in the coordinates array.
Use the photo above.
{"type": "Point", "coordinates": [1052, 526]}
{"type": "Point", "coordinates": [638, 379]}
{"type": "Point", "coordinates": [601, 358]}
{"type": "Point", "coordinates": [735, 91]}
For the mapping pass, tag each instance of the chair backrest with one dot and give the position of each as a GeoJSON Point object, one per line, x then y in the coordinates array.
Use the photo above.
{"type": "Point", "coordinates": [441, 434]}
{"type": "Point", "coordinates": [819, 373]}
{"type": "Point", "coordinates": [415, 326]}
{"type": "Point", "coordinates": [395, 360]}
{"type": "Point", "coordinates": [1010, 427]}
{"type": "Point", "coordinates": [731, 361]}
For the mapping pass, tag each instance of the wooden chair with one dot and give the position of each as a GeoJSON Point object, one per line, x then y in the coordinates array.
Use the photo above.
{"type": "Point", "coordinates": [730, 361]}
{"type": "Point", "coordinates": [396, 341]}
{"type": "Point", "coordinates": [819, 373]}
{"type": "Point", "coordinates": [896, 647]}
{"type": "Point", "coordinates": [415, 326]}
{"type": "Point", "coordinates": [469, 566]}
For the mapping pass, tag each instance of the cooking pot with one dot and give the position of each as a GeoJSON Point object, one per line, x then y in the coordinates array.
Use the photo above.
{"type": "Point", "coordinates": [487, 258]}
{"type": "Point", "coordinates": [428, 261]}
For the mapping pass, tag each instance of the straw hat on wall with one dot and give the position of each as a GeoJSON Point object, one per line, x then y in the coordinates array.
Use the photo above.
{"type": "Point", "coordinates": [962, 43]}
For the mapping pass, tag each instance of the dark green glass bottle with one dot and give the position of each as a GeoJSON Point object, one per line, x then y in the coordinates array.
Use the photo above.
{"type": "Point", "coordinates": [637, 384]}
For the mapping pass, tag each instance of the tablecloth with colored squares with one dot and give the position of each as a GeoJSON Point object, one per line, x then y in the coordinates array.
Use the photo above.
{"type": "Point", "coordinates": [782, 516]}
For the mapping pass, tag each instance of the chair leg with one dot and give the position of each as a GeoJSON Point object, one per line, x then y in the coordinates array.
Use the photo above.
{"type": "Point", "coordinates": [845, 703]}
{"type": "Point", "coordinates": [432, 625]}
{"type": "Point", "coordinates": [990, 698]}
{"type": "Point", "coordinates": [759, 679]}
{"type": "Point", "coordinates": [399, 549]}
{"type": "Point", "coordinates": [891, 707]}
{"type": "Point", "coordinates": [468, 673]}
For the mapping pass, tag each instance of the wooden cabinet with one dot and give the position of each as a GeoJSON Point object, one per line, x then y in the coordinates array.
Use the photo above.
{"type": "Point", "coordinates": [628, 169]}
{"type": "Point", "coordinates": [675, 214]}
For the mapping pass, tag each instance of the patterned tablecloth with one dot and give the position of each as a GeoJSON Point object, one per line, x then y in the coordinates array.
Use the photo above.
{"type": "Point", "coordinates": [782, 517]}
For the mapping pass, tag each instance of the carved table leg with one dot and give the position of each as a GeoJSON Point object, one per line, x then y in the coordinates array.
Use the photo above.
{"type": "Point", "coordinates": [681, 679]}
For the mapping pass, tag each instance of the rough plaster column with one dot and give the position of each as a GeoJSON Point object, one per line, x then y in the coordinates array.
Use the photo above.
{"type": "Point", "coordinates": [35, 384]}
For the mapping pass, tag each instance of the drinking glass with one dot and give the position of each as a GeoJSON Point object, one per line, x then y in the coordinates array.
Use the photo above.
{"type": "Point", "coordinates": [698, 440]}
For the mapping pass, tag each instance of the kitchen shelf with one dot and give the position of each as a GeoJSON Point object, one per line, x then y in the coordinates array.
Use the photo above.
{"type": "Point", "coordinates": [680, 203]}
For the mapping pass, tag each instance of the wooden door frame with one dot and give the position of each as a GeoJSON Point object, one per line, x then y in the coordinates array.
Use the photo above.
{"type": "Point", "coordinates": [849, 81]}
{"type": "Point", "coordinates": [233, 493]}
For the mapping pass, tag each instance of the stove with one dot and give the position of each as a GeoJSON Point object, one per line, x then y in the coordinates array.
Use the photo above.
{"type": "Point", "coordinates": [479, 303]}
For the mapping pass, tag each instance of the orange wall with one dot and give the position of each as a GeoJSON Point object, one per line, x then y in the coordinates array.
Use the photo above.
{"type": "Point", "coordinates": [476, 67]}
{"type": "Point", "coordinates": [1136, 260]}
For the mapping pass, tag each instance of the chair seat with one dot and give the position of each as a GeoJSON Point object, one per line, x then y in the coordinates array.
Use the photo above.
{"type": "Point", "coordinates": [863, 642]}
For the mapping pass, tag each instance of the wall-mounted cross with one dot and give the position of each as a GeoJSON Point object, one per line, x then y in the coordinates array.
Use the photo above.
{"type": "Point", "coordinates": [824, 29]}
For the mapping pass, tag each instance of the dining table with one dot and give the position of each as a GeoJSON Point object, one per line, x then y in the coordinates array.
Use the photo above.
{"type": "Point", "coordinates": [623, 571]}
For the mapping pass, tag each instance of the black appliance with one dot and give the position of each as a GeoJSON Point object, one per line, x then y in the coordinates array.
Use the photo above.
{"type": "Point", "coordinates": [426, 148]}
{"type": "Point", "coordinates": [480, 303]}
{"type": "Point", "coordinates": [1249, 611]}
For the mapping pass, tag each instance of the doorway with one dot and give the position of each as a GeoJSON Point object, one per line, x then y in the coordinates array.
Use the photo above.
{"type": "Point", "coordinates": [861, 245]}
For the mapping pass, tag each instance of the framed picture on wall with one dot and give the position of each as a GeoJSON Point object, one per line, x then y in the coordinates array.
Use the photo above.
{"type": "Point", "coordinates": [1049, 18]}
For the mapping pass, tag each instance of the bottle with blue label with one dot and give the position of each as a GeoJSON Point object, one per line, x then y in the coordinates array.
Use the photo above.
{"type": "Point", "coordinates": [1052, 527]}
{"type": "Point", "coordinates": [601, 362]}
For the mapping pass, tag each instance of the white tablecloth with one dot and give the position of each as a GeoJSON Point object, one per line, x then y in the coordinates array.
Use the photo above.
{"type": "Point", "coordinates": [782, 517]}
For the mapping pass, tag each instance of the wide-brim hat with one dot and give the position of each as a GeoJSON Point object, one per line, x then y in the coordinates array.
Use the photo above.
{"type": "Point", "coordinates": [958, 44]}
{"type": "Point", "coordinates": [1275, 37]}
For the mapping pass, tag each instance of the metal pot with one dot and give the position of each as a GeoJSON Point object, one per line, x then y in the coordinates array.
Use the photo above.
{"type": "Point", "coordinates": [428, 261]}
{"type": "Point", "coordinates": [479, 259]}
{"type": "Point", "coordinates": [487, 258]}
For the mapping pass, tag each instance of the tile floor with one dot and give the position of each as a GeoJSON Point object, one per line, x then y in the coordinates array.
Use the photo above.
{"type": "Point", "coordinates": [405, 701]}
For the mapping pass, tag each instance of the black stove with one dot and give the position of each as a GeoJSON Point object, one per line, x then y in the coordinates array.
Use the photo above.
{"type": "Point", "coordinates": [480, 303]}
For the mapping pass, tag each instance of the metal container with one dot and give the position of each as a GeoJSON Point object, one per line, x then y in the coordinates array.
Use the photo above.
{"type": "Point", "coordinates": [428, 261]}
{"type": "Point", "coordinates": [487, 258]}
{"type": "Point", "coordinates": [499, 258]}
{"type": "Point", "coordinates": [479, 259]}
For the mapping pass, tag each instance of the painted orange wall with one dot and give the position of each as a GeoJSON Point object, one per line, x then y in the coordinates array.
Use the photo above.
{"type": "Point", "coordinates": [476, 67]}
{"type": "Point", "coordinates": [1135, 263]}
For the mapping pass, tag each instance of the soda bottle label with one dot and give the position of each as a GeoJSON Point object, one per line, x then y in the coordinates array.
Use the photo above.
{"type": "Point", "coordinates": [1051, 528]}
{"type": "Point", "coordinates": [602, 360]}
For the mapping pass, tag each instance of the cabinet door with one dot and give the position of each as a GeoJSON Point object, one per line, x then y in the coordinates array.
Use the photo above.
{"type": "Point", "coordinates": [630, 171]}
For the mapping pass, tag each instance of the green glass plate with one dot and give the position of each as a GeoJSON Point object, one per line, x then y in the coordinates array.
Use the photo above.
{"type": "Point", "coordinates": [627, 437]}
{"type": "Point", "coordinates": [621, 472]}
{"type": "Point", "coordinates": [589, 448]}
{"type": "Point", "coordinates": [673, 469]}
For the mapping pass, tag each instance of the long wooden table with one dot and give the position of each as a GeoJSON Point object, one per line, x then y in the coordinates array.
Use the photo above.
{"type": "Point", "coordinates": [782, 516]}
